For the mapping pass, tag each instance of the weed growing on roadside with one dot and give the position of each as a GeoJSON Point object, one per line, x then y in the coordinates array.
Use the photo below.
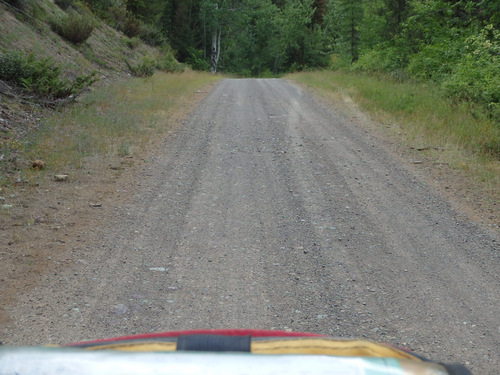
{"type": "Point", "coordinates": [421, 108]}
{"type": "Point", "coordinates": [469, 139]}
{"type": "Point", "coordinates": [145, 68]}
{"type": "Point", "coordinates": [132, 43]}
{"type": "Point", "coordinates": [114, 121]}
{"type": "Point", "coordinates": [165, 62]}
{"type": "Point", "coordinates": [40, 76]}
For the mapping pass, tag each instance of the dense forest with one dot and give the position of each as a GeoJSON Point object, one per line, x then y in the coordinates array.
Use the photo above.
{"type": "Point", "coordinates": [455, 43]}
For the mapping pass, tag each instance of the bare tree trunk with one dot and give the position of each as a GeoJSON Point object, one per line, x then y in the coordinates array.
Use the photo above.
{"type": "Point", "coordinates": [215, 53]}
{"type": "Point", "coordinates": [216, 35]}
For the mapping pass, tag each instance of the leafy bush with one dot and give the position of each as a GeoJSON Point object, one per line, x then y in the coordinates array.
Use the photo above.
{"type": "Point", "coordinates": [116, 17]}
{"type": "Point", "coordinates": [476, 76]}
{"type": "Point", "coordinates": [74, 27]}
{"type": "Point", "coordinates": [40, 76]}
{"type": "Point", "coordinates": [196, 60]}
{"type": "Point", "coordinates": [145, 68]}
{"type": "Point", "coordinates": [132, 43]}
{"type": "Point", "coordinates": [132, 26]}
{"type": "Point", "coordinates": [152, 35]}
{"type": "Point", "coordinates": [338, 61]}
{"type": "Point", "coordinates": [168, 63]}
{"type": "Point", "coordinates": [12, 66]}
{"type": "Point", "coordinates": [436, 61]}
{"type": "Point", "coordinates": [267, 74]}
{"type": "Point", "coordinates": [388, 58]}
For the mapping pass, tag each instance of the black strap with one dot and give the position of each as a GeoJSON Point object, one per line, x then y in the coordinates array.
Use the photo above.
{"type": "Point", "coordinates": [213, 343]}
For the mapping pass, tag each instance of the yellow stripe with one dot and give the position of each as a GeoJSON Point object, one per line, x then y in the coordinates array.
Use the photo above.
{"type": "Point", "coordinates": [324, 346]}
{"type": "Point", "coordinates": [306, 345]}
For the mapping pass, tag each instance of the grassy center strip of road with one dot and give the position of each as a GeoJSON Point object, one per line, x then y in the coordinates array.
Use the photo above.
{"type": "Point", "coordinates": [459, 141]}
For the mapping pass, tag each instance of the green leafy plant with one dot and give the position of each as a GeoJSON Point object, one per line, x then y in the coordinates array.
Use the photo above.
{"type": "Point", "coordinates": [145, 68]}
{"type": "Point", "coordinates": [132, 26]}
{"type": "Point", "coordinates": [74, 26]}
{"type": "Point", "coordinates": [476, 76]}
{"type": "Point", "coordinates": [196, 60]}
{"type": "Point", "coordinates": [168, 63]}
{"type": "Point", "coordinates": [132, 43]}
{"type": "Point", "coordinates": [12, 66]}
{"type": "Point", "coordinates": [40, 76]}
{"type": "Point", "coordinates": [152, 35]}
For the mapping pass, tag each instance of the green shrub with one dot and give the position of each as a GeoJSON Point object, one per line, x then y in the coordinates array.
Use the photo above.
{"type": "Point", "coordinates": [145, 68]}
{"type": "Point", "coordinates": [476, 76]}
{"type": "Point", "coordinates": [132, 26]}
{"type": "Point", "coordinates": [116, 17]}
{"type": "Point", "coordinates": [152, 35]}
{"type": "Point", "coordinates": [40, 76]}
{"type": "Point", "coordinates": [436, 61]}
{"type": "Point", "coordinates": [196, 60]}
{"type": "Point", "coordinates": [132, 43]}
{"type": "Point", "coordinates": [74, 27]}
{"type": "Point", "coordinates": [384, 58]}
{"type": "Point", "coordinates": [267, 74]}
{"type": "Point", "coordinates": [12, 66]}
{"type": "Point", "coordinates": [168, 63]}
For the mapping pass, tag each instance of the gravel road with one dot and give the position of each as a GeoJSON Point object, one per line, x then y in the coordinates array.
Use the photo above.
{"type": "Point", "coordinates": [267, 209]}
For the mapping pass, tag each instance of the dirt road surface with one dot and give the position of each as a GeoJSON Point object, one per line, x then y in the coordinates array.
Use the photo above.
{"type": "Point", "coordinates": [267, 209]}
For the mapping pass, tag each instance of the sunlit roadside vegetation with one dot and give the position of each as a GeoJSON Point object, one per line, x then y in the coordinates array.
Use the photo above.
{"type": "Point", "coordinates": [115, 121]}
{"type": "Point", "coordinates": [460, 134]}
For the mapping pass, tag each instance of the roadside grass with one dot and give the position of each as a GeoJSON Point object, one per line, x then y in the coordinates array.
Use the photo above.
{"type": "Point", "coordinates": [118, 120]}
{"type": "Point", "coordinates": [458, 134]}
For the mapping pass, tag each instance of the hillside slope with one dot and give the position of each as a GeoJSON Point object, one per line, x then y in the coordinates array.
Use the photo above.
{"type": "Point", "coordinates": [105, 51]}
{"type": "Point", "coordinates": [107, 54]}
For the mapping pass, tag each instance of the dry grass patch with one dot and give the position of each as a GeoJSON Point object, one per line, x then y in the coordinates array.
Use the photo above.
{"type": "Point", "coordinates": [115, 121]}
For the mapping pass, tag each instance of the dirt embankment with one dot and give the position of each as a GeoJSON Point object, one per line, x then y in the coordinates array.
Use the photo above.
{"type": "Point", "coordinates": [21, 113]}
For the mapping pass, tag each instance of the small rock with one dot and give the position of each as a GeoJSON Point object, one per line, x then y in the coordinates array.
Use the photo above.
{"type": "Point", "coordinates": [61, 177]}
{"type": "Point", "coordinates": [120, 309]}
{"type": "Point", "coordinates": [6, 207]}
{"type": "Point", "coordinates": [159, 269]}
{"type": "Point", "coordinates": [2, 199]}
{"type": "Point", "coordinates": [38, 165]}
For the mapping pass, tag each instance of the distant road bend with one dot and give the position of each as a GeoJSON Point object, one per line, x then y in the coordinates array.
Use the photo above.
{"type": "Point", "coordinates": [267, 209]}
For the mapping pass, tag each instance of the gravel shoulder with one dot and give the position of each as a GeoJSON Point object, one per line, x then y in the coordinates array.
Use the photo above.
{"type": "Point", "coordinates": [269, 209]}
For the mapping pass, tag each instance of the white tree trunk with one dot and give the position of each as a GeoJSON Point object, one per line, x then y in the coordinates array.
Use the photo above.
{"type": "Point", "coordinates": [215, 53]}
{"type": "Point", "coordinates": [214, 58]}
